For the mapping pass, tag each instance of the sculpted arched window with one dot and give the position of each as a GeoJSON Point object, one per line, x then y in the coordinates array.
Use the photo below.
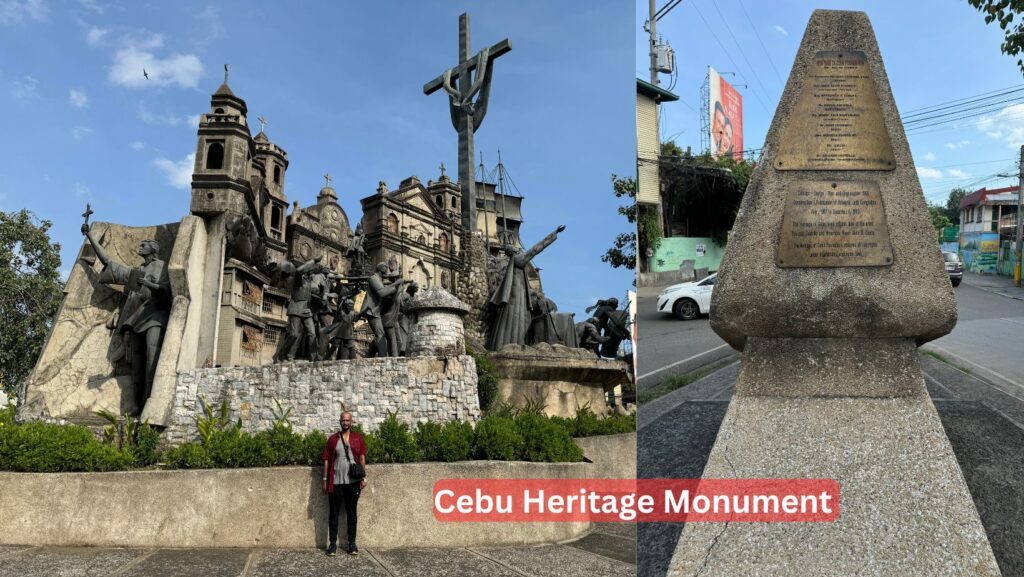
{"type": "Point", "coordinates": [454, 203]}
{"type": "Point", "coordinates": [277, 174]}
{"type": "Point", "coordinates": [275, 217]}
{"type": "Point", "coordinates": [392, 223]}
{"type": "Point", "coordinates": [442, 242]}
{"type": "Point", "coordinates": [421, 239]}
{"type": "Point", "coordinates": [215, 156]}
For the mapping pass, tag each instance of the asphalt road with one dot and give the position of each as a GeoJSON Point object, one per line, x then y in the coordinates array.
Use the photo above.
{"type": "Point", "coordinates": [988, 339]}
{"type": "Point", "coordinates": [989, 336]}
{"type": "Point", "coordinates": [667, 345]}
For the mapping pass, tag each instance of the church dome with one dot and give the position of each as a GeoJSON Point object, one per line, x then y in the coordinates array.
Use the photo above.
{"type": "Point", "coordinates": [327, 194]}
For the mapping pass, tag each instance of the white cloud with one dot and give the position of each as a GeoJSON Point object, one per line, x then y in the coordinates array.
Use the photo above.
{"type": "Point", "coordinates": [178, 173]}
{"type": "Point", "coordinates": [166, 118]}
{"type": "Point", "coordinates": [81, 191]}
{"type": "Point", "coordinates": [929, 156]}
{"type": "Point", "coordinates": [78, 98]}
{"type": "Point", "coordinates": [1006, 125]}
{"type": "Point", "coordinates": [182, 70]}
{"type": "Point", "coordinates": [142, 39]}
{"type": "Point", "coordinates": [24, 87]}
{"type": "Point", "coordinates": [926, 172]}
{"type": "Point", "coordinates": [80, 132]}
{"type": "Point", "coordinates": [96, 36]}
{"type": "Point", "coordinates": [92, 5]}
{"type": "Point", "coordinates": [16, 11]}
{"type": "Point", "coordinates": [137, 145]}
{"type": "Point", "coordinates": [956, 145]}
{"type": "Point", "coordinates": [781, 30]}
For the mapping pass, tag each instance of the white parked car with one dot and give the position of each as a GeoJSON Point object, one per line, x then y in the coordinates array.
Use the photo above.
{"type": "Point", "coordinates": [687, 300]}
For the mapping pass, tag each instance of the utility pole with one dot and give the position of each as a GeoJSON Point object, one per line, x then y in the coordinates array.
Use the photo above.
{"type": "Point", "coordinates": [654, 49]}
{"type": "Point", "coordinates": [1020, 220]}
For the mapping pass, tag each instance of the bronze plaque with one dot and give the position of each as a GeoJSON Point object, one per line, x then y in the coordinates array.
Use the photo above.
{"type": "Point", "coordinates": [837, 122]}
{"type": "Point", "coordinates": [834, 223]}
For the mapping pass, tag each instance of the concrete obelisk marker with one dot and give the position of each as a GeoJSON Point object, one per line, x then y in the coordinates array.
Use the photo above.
{"type": "Point", "coordinates": [831, 279]}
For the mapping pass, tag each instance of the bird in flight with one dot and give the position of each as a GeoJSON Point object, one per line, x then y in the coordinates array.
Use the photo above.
{"type": "Point", "coordinates": [146, 74]}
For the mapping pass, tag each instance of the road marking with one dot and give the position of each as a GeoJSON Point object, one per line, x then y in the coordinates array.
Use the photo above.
{"type": "Point", "coordinates": [677, 363]}
{"type": "Point", "coordinates": [1002, 377]}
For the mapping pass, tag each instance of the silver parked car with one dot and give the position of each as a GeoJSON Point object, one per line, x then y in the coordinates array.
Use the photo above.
{"type": "Point", "coordinates": [954, 267]}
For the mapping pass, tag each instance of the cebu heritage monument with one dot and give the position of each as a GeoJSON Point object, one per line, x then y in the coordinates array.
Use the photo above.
{"type": "Point", "coordinates": [240, 300]}
{"type": "Point", "coordinates": [830, 281]}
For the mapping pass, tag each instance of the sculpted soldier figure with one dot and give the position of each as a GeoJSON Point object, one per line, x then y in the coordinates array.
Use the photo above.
{"type": "Point", "coordinates": [341, 333]}
{"type": "Point", "coordinates": [543, 328]}
{"type": "Point", "coordinates": [301, 327]}
{"type": "Point", "coordinates": [144, 311]}
{"type": "Point", "coordinates": [356, 251]}
{"type": "Point", "coordinates": [405, 318]}
{"type": "Point", "coordinates": [391, 314]}
{"type": "Point", "coordinates": [589, 336]}
{"type": "Point", "coordinates": [512, 299]}
{"type": "Point", "coordinates": [612, 324]}
{"type": "Point", "coordinates": [374, 305]}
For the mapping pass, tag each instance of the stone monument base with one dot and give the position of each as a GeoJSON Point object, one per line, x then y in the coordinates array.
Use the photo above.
{"type": "Point", "coordinates": [562, 379]}
{"type": "Point", "coordinates": [904, 506]}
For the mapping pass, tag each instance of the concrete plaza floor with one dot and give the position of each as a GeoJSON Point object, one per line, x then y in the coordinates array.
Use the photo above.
{"type": "Point", "coordinates": [608, 550]}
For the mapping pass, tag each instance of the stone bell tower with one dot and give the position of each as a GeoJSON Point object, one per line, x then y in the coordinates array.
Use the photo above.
{"type": "Point", "coordinates": [224, 151]}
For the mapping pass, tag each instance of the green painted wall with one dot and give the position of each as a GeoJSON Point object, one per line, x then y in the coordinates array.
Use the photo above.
{"type": "Point", "coordinates": [673, 251]}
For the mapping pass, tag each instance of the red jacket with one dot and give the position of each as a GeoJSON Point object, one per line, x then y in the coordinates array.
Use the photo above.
{"type": "Point", "coordinates": [355, 442]}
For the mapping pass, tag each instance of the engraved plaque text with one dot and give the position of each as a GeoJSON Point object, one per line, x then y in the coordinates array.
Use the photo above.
{"type": "Point", "coordinates": [837, 122]}
{"type": "Point", "coordinates": [834, 224]}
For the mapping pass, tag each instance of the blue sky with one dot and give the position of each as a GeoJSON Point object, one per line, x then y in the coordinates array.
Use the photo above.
{"type": "Point", "coordinates": [340, 84]}
{"type": "Point", "coordinates": [934, 52]}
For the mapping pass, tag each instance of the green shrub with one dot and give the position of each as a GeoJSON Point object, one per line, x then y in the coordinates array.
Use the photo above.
{"type": "Point", "coordinates": [232, 447]}
{"type": "Point", "coordinates": [43, 447]}
{"type": "Point", "coordinates": [313, 444]}
{"type": "Point", "coordinates": [188, 456]}
{"type": "Point", "coordinates": [7, 415]}
{"type": "Point", "coordinates": [392, 443]}
{"type": "Point", "coordinates": [450, 442]}
{"type": "Point", "coordinates": [428, 438]}
{"type": "Point", "coordinates": [545, 440]}
{"type": "Point", "coordinates": [143, 449]}
{"type": "Point", "coordinates": [286, 446]}
{"type": "Point", "coordinates": [497, 439]}
{"type": "Point", "coordinates": [486, 378]}
{"type": "Point", "coordinates": [587, 424]}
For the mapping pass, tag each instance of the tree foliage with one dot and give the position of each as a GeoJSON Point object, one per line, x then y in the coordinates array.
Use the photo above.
{"type": "Point", "coordinates": [648, 229]}
{"type": "Point", "coordinates": [939, 218]}
{"type": "Point", "coordinates": [1004, 12]}
{"type": "Point", "coordinates": [953, 204]}
{"type": "Point", "coordinates": [30, 293]}
{"type": "Point", "coordinates": [706, 191]}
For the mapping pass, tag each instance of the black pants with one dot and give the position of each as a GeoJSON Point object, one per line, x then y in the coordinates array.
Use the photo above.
{"type": "Point", "coordinates": [349, 495]}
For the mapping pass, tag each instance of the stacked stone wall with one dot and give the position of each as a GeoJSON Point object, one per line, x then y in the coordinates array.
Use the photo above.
{"type": "Point", "coordinates": [473, 290]}
{"type": "Point", "coordinates": [416, 388]}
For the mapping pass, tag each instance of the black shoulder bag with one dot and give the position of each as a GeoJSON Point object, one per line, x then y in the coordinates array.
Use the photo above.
{"type": "Point", "coordinates": [356, 470]}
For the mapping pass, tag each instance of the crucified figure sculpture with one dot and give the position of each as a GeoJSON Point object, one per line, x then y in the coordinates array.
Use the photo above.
{"type": "Point", "coordinates": [467, 103]}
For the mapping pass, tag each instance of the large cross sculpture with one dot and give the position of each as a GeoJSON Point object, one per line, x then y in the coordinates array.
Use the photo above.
{"type": "Point", "coordinates": [467, 114]}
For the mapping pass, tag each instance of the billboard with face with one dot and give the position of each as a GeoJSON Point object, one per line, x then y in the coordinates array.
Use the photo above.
{"type": "Point", "coordinates": [726, 108]}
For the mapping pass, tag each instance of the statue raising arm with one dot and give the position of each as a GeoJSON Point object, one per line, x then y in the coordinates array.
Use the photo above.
{"type": "Point", "coordinates": [101, 253]}
{"type": "Point", "coordinates": [540, 246]}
